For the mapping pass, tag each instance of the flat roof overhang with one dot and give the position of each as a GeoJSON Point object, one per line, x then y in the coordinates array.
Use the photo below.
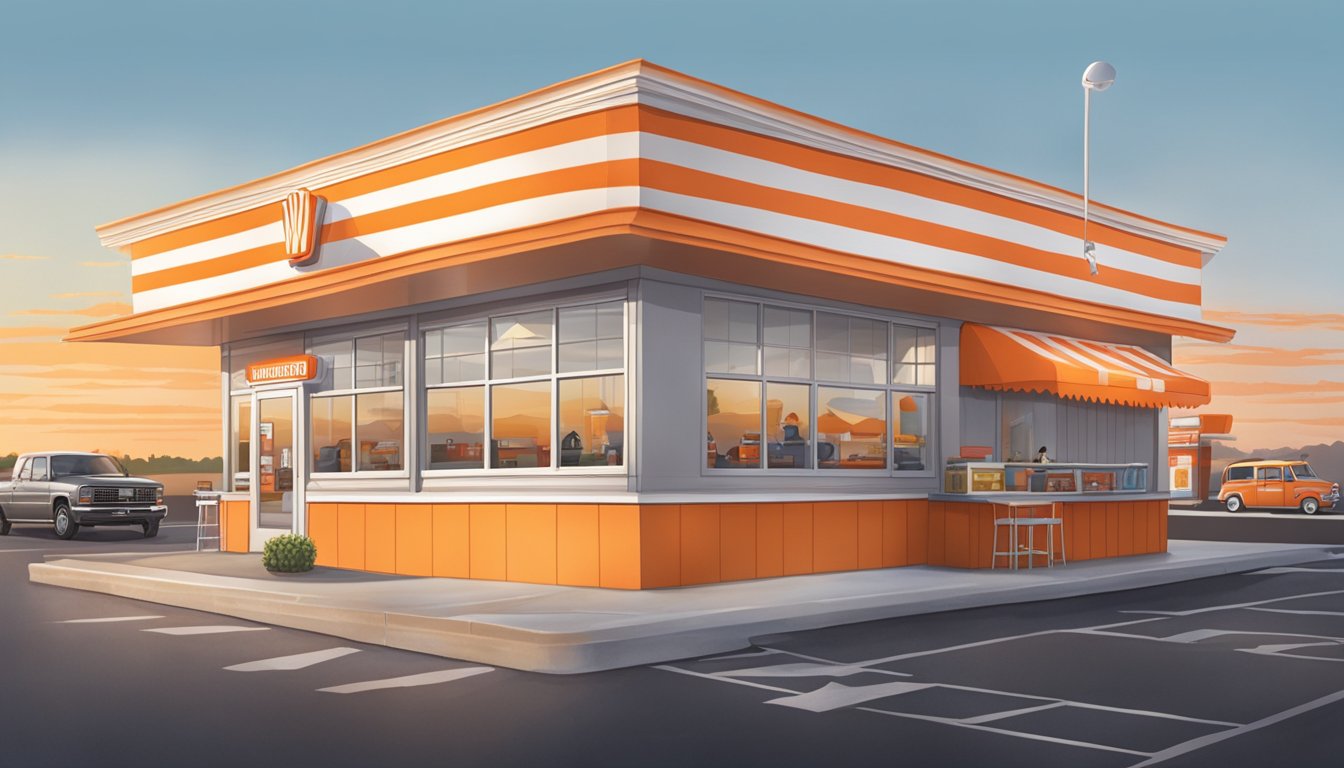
{"type": "Point", "coordinates": [615, 239]}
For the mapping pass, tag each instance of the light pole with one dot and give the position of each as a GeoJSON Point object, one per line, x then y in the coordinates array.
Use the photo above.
{"type": "Point", "coordinates": [1097, 77]}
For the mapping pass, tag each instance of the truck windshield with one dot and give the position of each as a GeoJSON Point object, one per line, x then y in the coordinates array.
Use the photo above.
{"type": "Point", "coordinates": [1303, 470]}
{"type": "Point", "coordinates": [85, 465]}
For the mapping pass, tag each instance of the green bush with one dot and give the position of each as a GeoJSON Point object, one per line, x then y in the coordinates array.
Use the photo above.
{"type": "Point", "coordinates": [289, 553]}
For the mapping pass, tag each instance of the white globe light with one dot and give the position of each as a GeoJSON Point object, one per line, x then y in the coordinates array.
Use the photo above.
{"type": "Point", "coordinates": [1098, 76]}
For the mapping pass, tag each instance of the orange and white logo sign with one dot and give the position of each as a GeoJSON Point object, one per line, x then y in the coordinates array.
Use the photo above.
{"type": "Point", "coordinates": [298, 368]}
{"type": "Point", "coordinates": [302, 218]}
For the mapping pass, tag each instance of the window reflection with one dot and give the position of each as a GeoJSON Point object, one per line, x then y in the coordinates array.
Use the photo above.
{"type": "Point", "coordinates": [910, 422]}
{"type": "Point", "coordinates": [520, 345]}
{"type": "Point", "coordinates": [733, 410]}
{"type": "Point", "coordinates": [521, 425]}
{"type": "Point", "coordinates": [456, 419]}
{"type": "Point", "coordinates": [788, 421]}
{"type": "Point", "coordinates": [330, 417]}
{"type": "Point", "coordinates": [592, 421]}
{"type": "Point", "coordinates": [851, 428]}
{"type": "Point", "coordinates": [379, 425]}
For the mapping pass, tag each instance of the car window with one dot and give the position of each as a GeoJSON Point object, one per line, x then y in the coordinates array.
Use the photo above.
{"type": "Point", "coordinates": [85, 465]}
{"type": "Point", "coordinates": [1287, 474]}
{"type": "Point", "coordinates": [1241, 473]}
{"type": "Point", "coordinates": [1303, 471]}
{"type": "Point", "coordinates": [21, 470]}
{"type": "Point", "coordinates": [40, 468]}
{"type": "Point", "coordinates": [1271, 473]}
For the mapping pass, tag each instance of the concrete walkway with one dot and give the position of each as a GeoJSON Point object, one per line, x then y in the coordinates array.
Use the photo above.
{"type": "Point", "coordinates": [571, 629]}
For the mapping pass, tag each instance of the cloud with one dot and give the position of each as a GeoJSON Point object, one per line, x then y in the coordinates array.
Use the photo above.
{"type": "Point", "coordinates": [86, 294]}
{"type": "Point", "coordinates": [1257, 388]}
{"type": "Point", "coordinates": [21, 257]}
{"type": "Point", "coordinates": [122, 263]}
{"type": "Point", "coordinates": [1236, 354]}
{"type": "Point", "coordinates": [32, 332]}
{"type": "Point", "coordinates": [1332, 421]}
{"type": "Point", "coordinates": [106, 309]}
{"type": "Point", "coordinates": [1334, 322]}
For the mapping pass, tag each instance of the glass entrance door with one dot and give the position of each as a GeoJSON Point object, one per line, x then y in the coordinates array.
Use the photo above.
{"type": "Point", "coordinates": [276, 475]}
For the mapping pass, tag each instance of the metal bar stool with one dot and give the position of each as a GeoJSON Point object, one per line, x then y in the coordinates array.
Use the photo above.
{"type": "Point", "coordinates": [1014, 521]}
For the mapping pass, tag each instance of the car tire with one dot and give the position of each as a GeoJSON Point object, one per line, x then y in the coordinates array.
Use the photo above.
{"type": "Point", "coordinates": [5, 525]}
{"type": "Point", "coordinates": [63, 522]}
{"type": "Point", "coordinates": [1233, 504]}
{"type": "Point", "coordinates": [151, 528]}
{"type": "Point", "coordinates": [1309, 505]}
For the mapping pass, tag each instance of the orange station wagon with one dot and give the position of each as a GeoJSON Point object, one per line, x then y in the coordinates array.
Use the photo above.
{"type": "Point", "coordinates": [1275, 484]}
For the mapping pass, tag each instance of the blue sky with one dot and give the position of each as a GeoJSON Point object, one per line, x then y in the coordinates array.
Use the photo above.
{"type": "Point", "coordinates": [1226, 116]}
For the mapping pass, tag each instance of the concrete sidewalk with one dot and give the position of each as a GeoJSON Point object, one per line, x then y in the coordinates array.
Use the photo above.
{"type": "Point", "coordinates": [571, 629]}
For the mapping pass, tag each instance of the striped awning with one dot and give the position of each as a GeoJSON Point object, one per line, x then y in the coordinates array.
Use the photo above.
{"type": "Point", "coordinates": [1030, 361]}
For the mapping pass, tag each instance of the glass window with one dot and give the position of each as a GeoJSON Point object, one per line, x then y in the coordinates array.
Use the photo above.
{"type": "Point", "coordinates": [788, 425]}
{"type": "Point", "coordinates": [788, 342]}
{"type": "Point", "coordinates": [455, 354]}
{"type": "Point", "coordinates": [592, 421]}
{"type": "Point", "coordinates": [910, 431]}
{"type": "Point", "coordinates": [240, 438]}
{"type": "Point", "coordinates": [21, 469]}
{"type": "Point", "coordinates": [331, 433]}
{"type": "Point", "coordinates": [913, 356]}
{"type": "Point", "coordinates": [456, 419]}
{"type": "Point", "coordinates": [378, 360]}
{"type": "Point", "coordinates": [1270, 473]}
{"type": "Point", "coordinates": [40, 469]}
{"type": "Point", "coordinates": [1240, 473]}
{"type": "Point", "coordinates": [341, 356]}
{"type": "Point", "coordinates": [520, 345]}
{"type": "Point", "coordinates": [731, 336]}
{"type": "Point", "coordinates": [851, 349]}
{"type": "Point", "coordinates": [851, 428]}
{"type": "Point", "coordinates": [733, 410]}
{"type": "Point", "coordinates": [1303, 471]}
{"type": "Point", "coordinates": [520, 422]}
{"type": "Point", "coordinates": [592, 337]}
{"type": "Point", "coordinates": [379, 426]}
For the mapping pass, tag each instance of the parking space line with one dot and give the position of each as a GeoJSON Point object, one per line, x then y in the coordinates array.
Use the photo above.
{"type": "Point", "coordinates": [1007, 713]}
{"type": "Point", "coordinates": [1006, 732]}
{"type": "Point", "coordinates": [808, 669]}
{"type": "Point", "coordinates": [296, 661]}
{"type": "Point", "coordinates": [1291, 569]}
{"type": "Point", "coordinates": [1235, 606]}
{"type": "Point", "coordinates": [708, 676]}
{"type": "Point", "coordinates": [1299, 613]}
{"type": "Point", "coordinates": [409, 681]}
{"type": "Point", "coordinates": [108, 619]}
{"type": "Point", "coordinates": [204, 630]}
{"type": "Point", "coordinates": [1213, 738]}
{"type": "Point", "coordinates": [833, 696]}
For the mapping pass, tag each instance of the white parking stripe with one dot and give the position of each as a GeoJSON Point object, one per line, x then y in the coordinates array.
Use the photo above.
{"type": "Point", "coordinates": [833, 696]}
{"type": "Point", "coordinates": [1006, 732]}
{"type": "Point", "coordinates": [1292, 569]}
{"type": "Point", "coordinates": [409, 681]}
{"type": "Point", "coordinates": [807, 669]}
{"type": "Point", "coordinates": [1235, 606]}
{"type": "Point", "coordinates": [297, 661]}
{"type": "Point", "coordinates": [108, 618]}
{"type": "Point", "coordinates": [205, 630]}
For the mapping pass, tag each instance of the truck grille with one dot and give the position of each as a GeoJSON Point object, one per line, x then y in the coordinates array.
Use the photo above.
{"type": "Point", "coordinates": [113, 496]}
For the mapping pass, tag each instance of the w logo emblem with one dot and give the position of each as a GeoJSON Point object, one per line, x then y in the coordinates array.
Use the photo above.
{"type": "Point", "coordinates": [302, 219]}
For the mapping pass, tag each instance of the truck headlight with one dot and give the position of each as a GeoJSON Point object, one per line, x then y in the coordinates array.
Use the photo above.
{"type": "Point", "coordinates": [158, 495]}
{"type": "Point", "coordinates": [85, 494]}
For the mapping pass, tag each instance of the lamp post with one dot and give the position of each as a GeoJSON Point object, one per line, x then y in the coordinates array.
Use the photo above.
{"type": "Point", "coordinates": [1097, 77]}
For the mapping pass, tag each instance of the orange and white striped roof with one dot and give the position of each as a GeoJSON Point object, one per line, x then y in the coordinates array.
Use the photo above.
{"type": "Point", "coordinates": [1030, 361]}
{"type": "Point", "coordinates": [730, 169]}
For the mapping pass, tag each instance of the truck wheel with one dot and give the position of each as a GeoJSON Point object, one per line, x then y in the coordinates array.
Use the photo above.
{"type": "Point", "coordinates": [5, 525]}
{"type": "Point", "coordinates": [1310, 505]}
{"type": "Point", "coordinates": [63, 522]}
{"type": "Point", "coordinates": [1233, 503]}
{"type": "Point", "coordinates": [151, 528]}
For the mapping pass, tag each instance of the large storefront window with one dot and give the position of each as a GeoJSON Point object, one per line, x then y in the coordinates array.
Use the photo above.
{"type": "Point", "coordinates": [360, 424]}
{"type": "Point", "coordinates": [543, 389]}
{"type": "Point", "coordinates": [789, 388]}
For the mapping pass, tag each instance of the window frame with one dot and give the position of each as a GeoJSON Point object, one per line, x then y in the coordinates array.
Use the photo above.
{"type": "Point", "coordinates": [888, 389]}
{"type": "Point", "coordinates": [352, 334]}
{"type": "Point", "coordinates": [487, 315]}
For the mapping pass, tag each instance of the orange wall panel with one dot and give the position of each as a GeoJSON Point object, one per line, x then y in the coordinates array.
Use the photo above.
{"type": "Point", "coordinates": [769, 540]}
{"type": "Point", "coordinates": [451, 555]}
{"type": "Point", "coordinates": [956, 525]}
{"type": "Point", "coordinates": [937, 533]}
{"type": "Point", "coordinates": [895, 534]}
{"type": "Point", "coordinates": [576, 545]}
{"type": "Point", "coordinates": [488, 542]}
{"type": "Point", "coordinates": [380, 538]}
{"type": "Point", "coordinates": [737, 542]}
{"type": "Point", "coordinates": [797, 538]}
{"type": "Point", "coordinates": [618, 546]}
{"type": "Point", "coordinates": [700, 538]}
{"type": "Point", "coordinates": [835, 536]}
{"type": "Point", "coordinates": [659, 545]}
{"type": "Point", "coordinates": [870, 534]}
{"type": "Point", "coordinates": [530, 548]}
{"type": "Point", "coordinates": [350, 550]}
{"type": "Point", "coordinates": [1097, 516]}
{"type": "Point", "coordinates": [324, 530]}
{"type": "Point", "coordinates": [1126, 515]}
{"type": "Point", "coordinates": [917, 531]}
{"type": "Point", "coordinates": [236, 525]}
{"type": "Point", "coordinates": [1112, 529]}
{"type": "Point", "coordinates": [1162, 527]}
{"type": "Point", "coordinates": [415, 539]}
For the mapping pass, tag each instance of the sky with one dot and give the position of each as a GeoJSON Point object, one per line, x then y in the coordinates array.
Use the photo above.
{"type": "Point", "coordinates": [1225, 117]}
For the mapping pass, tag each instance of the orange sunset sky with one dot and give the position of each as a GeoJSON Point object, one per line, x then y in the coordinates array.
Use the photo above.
{"type": "Point", "coordinates": [112, 109]}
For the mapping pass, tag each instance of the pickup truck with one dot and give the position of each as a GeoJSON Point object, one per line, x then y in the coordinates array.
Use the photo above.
{"type": "Point", "coordinates": [69, 490]}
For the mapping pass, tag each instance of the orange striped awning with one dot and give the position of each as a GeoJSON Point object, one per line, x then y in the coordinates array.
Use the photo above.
{"type": "Point", "coordinates": [1030, 361]}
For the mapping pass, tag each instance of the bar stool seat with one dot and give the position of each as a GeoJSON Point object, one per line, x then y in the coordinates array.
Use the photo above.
{"type": "Point", "coordinates": [1013, 521]}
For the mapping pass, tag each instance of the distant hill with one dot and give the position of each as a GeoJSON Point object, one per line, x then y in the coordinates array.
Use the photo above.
{"type": "Point", "coordinates": [154, 465]}
{"type": "Point", "coordinates": [1327, 460]}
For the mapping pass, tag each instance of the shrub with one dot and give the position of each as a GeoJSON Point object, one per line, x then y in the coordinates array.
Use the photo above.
{"type": "Point", "coordinates": [289, 553]}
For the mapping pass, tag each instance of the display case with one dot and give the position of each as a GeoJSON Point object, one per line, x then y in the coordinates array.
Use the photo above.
{"type": "Point", "coordinates": [1054, 478]}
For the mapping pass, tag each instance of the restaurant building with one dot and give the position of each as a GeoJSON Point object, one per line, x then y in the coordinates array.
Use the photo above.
{"type": "Point", "coordinates": [638, 330]}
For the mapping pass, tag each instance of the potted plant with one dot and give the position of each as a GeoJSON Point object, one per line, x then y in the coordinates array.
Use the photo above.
{"type": "Point", "coordinates": [289, 553]}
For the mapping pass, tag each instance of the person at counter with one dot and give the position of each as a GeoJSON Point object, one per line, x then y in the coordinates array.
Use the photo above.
{"type": "Point", "coordinates": [1041, 457]}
